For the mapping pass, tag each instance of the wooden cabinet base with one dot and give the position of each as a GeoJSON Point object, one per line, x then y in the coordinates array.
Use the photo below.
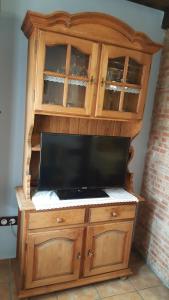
{"type": "Point", "coordinates": [23, 293]}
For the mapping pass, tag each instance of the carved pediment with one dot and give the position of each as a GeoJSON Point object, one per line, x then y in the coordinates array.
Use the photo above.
{"type": "Point", "coordinates": [91, 25]}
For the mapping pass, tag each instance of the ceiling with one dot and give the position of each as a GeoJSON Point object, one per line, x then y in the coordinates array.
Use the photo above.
{"type": "Point", "coordinates": [157, 4]}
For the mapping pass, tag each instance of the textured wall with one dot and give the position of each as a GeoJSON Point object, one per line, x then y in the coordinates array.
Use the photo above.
{"type": "Point", "coordinates": [152, 234]}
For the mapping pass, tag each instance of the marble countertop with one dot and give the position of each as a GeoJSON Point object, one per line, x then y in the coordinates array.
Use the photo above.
{"type": "Point", "coordinates": [49, 200]}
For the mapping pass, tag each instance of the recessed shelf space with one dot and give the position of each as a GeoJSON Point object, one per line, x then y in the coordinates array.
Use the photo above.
{"type": "Point", "coordinates": [125, 89]}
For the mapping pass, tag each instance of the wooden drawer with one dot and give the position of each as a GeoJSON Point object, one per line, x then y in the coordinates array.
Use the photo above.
{"type": "Point", "coordinates": [56, 218]}
{"type": "Point", "coordinates": [110, 213]}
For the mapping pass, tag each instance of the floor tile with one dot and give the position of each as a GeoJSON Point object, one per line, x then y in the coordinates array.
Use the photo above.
{"type": "Point", "coordinates": [4, 271]}
{"type": "Point", "coordinates": [155, 293]}
{"type": "Point", "coordinates": [128, 296]}
{"type": "Point", "coordinates": [45, 297]}
{"type": "Point", "coordinates": [84, 293]}
{"type": "Point", "coordinates": [114, 287]}
{"type": "Point", "coordinates": [4, 291]}
{"type": "Point", "coordinates": [143, 278]}
{"type": "Point", "coordinates": [13, 291]}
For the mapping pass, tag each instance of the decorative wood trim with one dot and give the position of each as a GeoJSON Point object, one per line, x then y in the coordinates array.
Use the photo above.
{"type": "Point", "coordinates": [98, 264]}
{"type": "Point", "coordinates": [24, 203]}
{"type": "Point", "coordinates": [36, 274]}
{"type": "Point", "coordinates": [63, 21]}
{"type": "Point", "coordinates": [76, 125]}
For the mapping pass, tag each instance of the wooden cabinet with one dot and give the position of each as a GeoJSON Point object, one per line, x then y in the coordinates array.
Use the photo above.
{"type": "Point", "coordinates": [87, 74]}
{"type": "Point", "coordinates": [66, 73]}
{"type": "Point", "coordinates": [111, 213]}
{"type": "Point", "coordinates": [66, 78]}
{"type": "Point", "coordinates": [50, 219]}
{"type": "Point", "coordinates": [67, 82]}
{"type": "Point", "coordinates": [123, 80]}
{"type": "Point", "coordinates": [56, 256]}
{"type": "Point", "coordinates": [91, 66]}
{"type": "Point", "coordinates": [107, 247]}
{"type": "Point", "coordinates": [53, 257]}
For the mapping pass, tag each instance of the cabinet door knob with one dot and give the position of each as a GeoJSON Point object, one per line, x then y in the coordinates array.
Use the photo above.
{"type": "Point", "coordinates": [59, 220]}
{"type": "Point", "coordinates": [114, 214]}
{"type": "Point", "coordinates": [78, 255]}
{"type": "Point", "coordinates": [102, 82]}
{"type": "Point", "coordinates": [90, 253]}
{"type": "Point", "coordinates": [92, 80]}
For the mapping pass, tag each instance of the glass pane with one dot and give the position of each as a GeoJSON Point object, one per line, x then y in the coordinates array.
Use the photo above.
{"type": "Point", "coordinates": [130, 102]}
{"type": "Point", "coordinates": [134, 72]}
{"type": "Point", "coordinates": [76, 93]}
{"type": "Point", "coordinates": [56, 58]}
{"type": "Point", "coordinates": [111, 100]}
{"type": "Point", "coordinates": [79, 63]}
{"type": "Point", "coordinates": [115, 69]}
{"type": "Point", "coordinates": [53, 90]}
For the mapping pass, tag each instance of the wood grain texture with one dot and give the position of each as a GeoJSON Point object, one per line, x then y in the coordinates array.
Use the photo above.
{"type": "Point", "coordinates": [53, 257]}
{"type": "Point", "coordinates": [107, 247]}
{"type": "Point", "coordinates": [23, 293]}
{"type": "Point", "coordinates": [23, 202]}
{"type": "Point", "coordinates": [29, 113]}
{"type": "Point", "coordinates": [56, 218]}
{"type": "Point", "coordinates": [91, 25]}
{"type": "Point", "coordinates": [87, 47]}
{"type": "Point", "coordinates": [111, 213]}
{"type": "Point", "coordinates": [78, 125]}
{"type": "Point", "coordinates": [112, 52]}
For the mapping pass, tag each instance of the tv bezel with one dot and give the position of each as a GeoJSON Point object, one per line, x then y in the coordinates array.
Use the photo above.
{"type": "Point", "coordinates": [82, 187]}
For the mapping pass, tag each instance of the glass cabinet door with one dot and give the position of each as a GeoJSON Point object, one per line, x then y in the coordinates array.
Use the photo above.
{"type": "Point", "coordinates": [67, 72]}
{"type": "Point", "coordinates": [122, 82]}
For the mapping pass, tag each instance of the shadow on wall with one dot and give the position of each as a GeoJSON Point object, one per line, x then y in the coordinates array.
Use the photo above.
{"type": "Point", "coordinates": [12, 112]}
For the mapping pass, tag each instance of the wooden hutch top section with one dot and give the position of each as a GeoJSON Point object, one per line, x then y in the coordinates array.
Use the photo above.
{"type": "Point", "coordinates": [90, 25]}
{"type": "Point", "coordinates": [87, 74]}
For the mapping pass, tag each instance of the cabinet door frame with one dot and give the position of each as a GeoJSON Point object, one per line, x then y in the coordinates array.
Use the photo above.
{"type": "Point", "coordinates": [88, 47]}
{"type": "Point", "coordinates": [125, 228]}
{"type": "Point", "coordinates": [113, 52]}
{"type": "Point", "coordinates": [39, 238]}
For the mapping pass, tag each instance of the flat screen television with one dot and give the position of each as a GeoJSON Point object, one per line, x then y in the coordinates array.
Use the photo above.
{"type": "Point", "coordinates": [79, 162]}
{"type": "Point", "coordinates": [82, 162]}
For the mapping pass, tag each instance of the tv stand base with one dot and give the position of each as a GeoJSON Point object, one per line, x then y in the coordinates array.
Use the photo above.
{"type": "Point", "coordinates": [80, 194]}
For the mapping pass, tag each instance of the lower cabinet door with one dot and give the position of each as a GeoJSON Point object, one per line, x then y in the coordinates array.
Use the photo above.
{"type": "Point", "coordinates": [107, 247]}
{"type": "Point", "coordinates": [53, 257]}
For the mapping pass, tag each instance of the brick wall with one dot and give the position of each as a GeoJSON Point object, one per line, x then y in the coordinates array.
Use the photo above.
{"type": "Point", "coordinates": [152, 230]}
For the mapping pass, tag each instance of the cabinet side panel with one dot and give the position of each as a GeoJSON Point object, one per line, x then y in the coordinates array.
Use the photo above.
{"type": "Point", "coordinates": [29, 113]}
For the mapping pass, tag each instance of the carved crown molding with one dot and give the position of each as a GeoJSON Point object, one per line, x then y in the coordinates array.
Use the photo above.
{"type": "Point", "coordinates": [51, 22]}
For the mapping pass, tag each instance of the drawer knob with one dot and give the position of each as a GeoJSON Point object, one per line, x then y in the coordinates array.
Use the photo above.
{"type": "Point", "coordinates": [114, 214]}
{"type": "Point", "coordinates": [59, 220]}
{"type": "Point", "coordinates": [78, 255]}
{"type": "Point", "coordinates": [90, 253]}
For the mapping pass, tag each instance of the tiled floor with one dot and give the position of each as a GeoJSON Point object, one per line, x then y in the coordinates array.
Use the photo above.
{"type": "Point", "coordinates": [143, 285]}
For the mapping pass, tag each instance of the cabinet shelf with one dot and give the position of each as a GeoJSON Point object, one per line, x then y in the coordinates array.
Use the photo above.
{"type": "Point", "coordinates": [60, 78]}
{"type": "Point", "coordinates": [72, 81]}
{"type": "Point", "coordinates": [126, 89]}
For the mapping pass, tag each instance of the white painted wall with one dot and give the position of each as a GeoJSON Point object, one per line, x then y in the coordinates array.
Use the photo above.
{"type": "Point", "coordinates": [13, 56]}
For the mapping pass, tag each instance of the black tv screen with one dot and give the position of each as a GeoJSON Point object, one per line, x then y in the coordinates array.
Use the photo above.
{"type": "Point", "coordinates": [82, 161]}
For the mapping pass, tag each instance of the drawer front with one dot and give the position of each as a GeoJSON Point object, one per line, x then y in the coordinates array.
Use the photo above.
{"type": "Point", "coordinates": [111, 213]}
{"type": "Point", "coordinates": [56, 218]}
